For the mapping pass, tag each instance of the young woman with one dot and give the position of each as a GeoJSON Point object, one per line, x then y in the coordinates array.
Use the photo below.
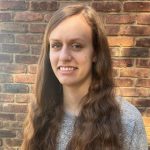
{"type": "Point", "coordinates": [76, 107]}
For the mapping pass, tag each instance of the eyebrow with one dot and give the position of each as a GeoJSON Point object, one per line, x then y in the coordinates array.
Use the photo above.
{"type": "Point", "coordinates": [71, 40]}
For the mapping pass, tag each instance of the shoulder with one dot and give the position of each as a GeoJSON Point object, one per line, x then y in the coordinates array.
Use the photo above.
{"type": "Point", "coordinates": [129, 113]}
{"type": "Point", "coordinates": [132, 125]}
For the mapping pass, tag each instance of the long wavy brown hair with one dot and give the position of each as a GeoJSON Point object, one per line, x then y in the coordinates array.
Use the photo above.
{"type": "Point", "coordinates": [98, 126]}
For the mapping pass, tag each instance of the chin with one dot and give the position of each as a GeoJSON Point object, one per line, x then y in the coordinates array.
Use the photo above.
{"type": "Point", "coordinates": [67, 83]}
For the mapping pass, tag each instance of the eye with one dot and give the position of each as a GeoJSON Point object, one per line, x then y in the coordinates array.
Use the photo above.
{"type": "Point", "coordinates": [56, 46]}
{"type": "Point", "coordinates": [76, 46]}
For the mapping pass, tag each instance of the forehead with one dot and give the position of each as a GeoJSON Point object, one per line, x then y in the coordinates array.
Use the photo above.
{"type": "Point", "coordinates": [72, 27]}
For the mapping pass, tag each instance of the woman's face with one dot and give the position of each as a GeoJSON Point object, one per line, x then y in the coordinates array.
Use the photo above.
{"type": "Point", "coordinates": [71, 51]}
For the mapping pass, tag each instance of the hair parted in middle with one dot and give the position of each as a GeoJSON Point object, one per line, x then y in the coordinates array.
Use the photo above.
{"type": "Point", "coordinates": [98, 125]}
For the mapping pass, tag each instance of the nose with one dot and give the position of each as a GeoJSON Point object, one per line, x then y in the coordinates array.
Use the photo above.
{"type": "Point", "coordinates": [65, 54]}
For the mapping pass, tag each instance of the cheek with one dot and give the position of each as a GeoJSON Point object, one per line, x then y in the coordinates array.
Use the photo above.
{"type": "Point", "coordinates": [52, 58]}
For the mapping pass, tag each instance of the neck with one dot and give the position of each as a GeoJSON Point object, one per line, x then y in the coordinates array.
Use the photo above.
{"type": "Point", "coordinates": [72, 98]}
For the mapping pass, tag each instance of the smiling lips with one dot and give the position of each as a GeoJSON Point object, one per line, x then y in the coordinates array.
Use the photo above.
{"type": "Point", "coordinates": [67, 69]}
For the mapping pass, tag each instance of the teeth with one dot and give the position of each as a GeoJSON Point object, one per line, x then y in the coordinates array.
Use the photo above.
{"type": "Point", "coordinates": [66, 68]}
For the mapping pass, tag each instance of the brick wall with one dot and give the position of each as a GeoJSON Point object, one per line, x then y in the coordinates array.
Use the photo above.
{"type": "Point", "coordinates": [22, 23]}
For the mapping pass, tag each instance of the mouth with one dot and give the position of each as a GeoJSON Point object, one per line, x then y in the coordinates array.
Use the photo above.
{"type": "Point", "coordinates": [67, 68]}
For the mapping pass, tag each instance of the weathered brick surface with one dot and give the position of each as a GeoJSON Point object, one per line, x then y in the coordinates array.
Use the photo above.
{"type": "Point", "coordinates": [6, 78]}
{"type": "Point", "coordinates": [121, 41]}
{"type": "Point", "coordinates": [143, 19]}
{"type": "Point", "coordinates": [13, 5]}
{"type": "Point", "coordinates": [5, 16]}
{"type": "Point", "coordinates": [15, 48]}
{"type": "Point", "coordinates": [123, 62]}
{"type": "Point", "coordinates": [13, 68]}
{"type": "Point", "coordinates": [37, 28]}
{"type": "Point", "coordinates": [107, 6]}
{"type": "Point", "coordinates": [28, 16]}
{"type": "Point", "coordinates": [26, 59]}
{"type": "Point", "coordinates": [29, 39]}
{"type": "Point", "coordinates": [135, 52]}
{"type": "Point", "coordinates": [137, 6]}
{"type": "Point", "coordinates": [143, 42]}
{"type": "Point", "coordinates": [22, 24]}
{"type": "Point", "coordinates": [43, 6]}
{"type": "Point", "coordinates": [120, 19]}
{"type": "Point", "coordinates": [23, 78]}
{"type": "Point", "coordinates": [143, 63]}
{"type": "Point", "coordinates": [15, 88]}
{"type": "Point", "coordinates": [7, 38]}
{"type": "Point", "coordinates": [35, 49]}
{"type": "Point", "coordinates": [6, 98]}
{"type": "Point", "coordinates": [13, 27]}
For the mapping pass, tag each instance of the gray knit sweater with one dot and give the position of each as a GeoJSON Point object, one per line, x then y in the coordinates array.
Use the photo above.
{"type": "Point", "coordinates": [133, 129]}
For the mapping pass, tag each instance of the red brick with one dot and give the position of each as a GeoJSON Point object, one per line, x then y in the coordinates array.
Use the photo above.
{"type": "Point", "coordinates": [7, 117]}
{"type": "Point", "coordinates": [20, 117]}
{"type": "Point", "coordinates": [120, 19]}
{"type": "Point", "coordinates": [144, 63]}
{"type": "Point", "coordinates": [13, 142]}
{"type": "Point", "coordinates": [6, 98]}
{"type": "Point", "coordinates": [130, 92]}
{"type": "Point", "coordinates": [141, 102]}
{"type": "Point", "coordinates": [13, 5]}
{"type": "Point", "coordinates": [44, 6]}
{"type": "Point", "coordinates": [26, 59]}
{"type": "Point", "coordinates": [37, 28]}
{"type": "Point", "coordinates": [19, 134]}
{"type": "Point", "coordinates": [115, 51]}
{"type": "Point", "coordinates": [146, 113]}
{"type": "Point", "coordinates": [6, 58]}
{"type": "Point", "coordinates": [35, 49]}
{"type": "Point", "coordinates": [112, 30]}
{"type": "Point", "coordinates": [32, 69]}
{"type": "Point", "coordinates": [22, 98]}
{"type": "Point", "coordinates": [107, 6]}
{"type": "Point", "coordinates": [135, 30]}
{"type": "Point", "coordinates": [121, 41]}
{"type": "Point", "coordinates": [14, 27]}
{"type": "Point", "coordinates": [143, 19]}
{"type": "Point", "coordinates": [28, 16]}
{"type": "Point", "coordinates": [122, 62]}
{"type": "Point", "coordinates": [147, 130]}
{"type": "Point", "coordinates": [146, 121]}
{"type": "Point", "coordinates": [13, 68]}
{"type": "Point", "coordinates": [143, 82]}
{"type": "Point", "coordinates": [29, 39]}
{"type": "Point", "coordinates": [5, 16]}
{"type": "Point", "coordinates": [7, 38]}
{"type": "Point", "coordinates": [15, 48]}
{"type": "Point", "coordinates": [135, 52]}
{"type": "Point", "coordinates": [136, 6]}
{"type": "Point", "coordinates": [135, 72]}
{"type": "Point", "coordinates": [124, 82]}
{"type": "Point", "coordinates": [6, 78]}
{"type": "Point", "coordinates": [7, 134]}
{"type": "Point", "coordinates": [24, 78]}
{"type": "Point", "coordinates": [143, 42]}
{"type": "Point", "coordinates": [15, 88]}
{"type": "Point", "coordinates": [144, 92]}
{"type": "Point", "coordinates": [13, 125]}
{"type": "Point", "coordinates": [14, 108]}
